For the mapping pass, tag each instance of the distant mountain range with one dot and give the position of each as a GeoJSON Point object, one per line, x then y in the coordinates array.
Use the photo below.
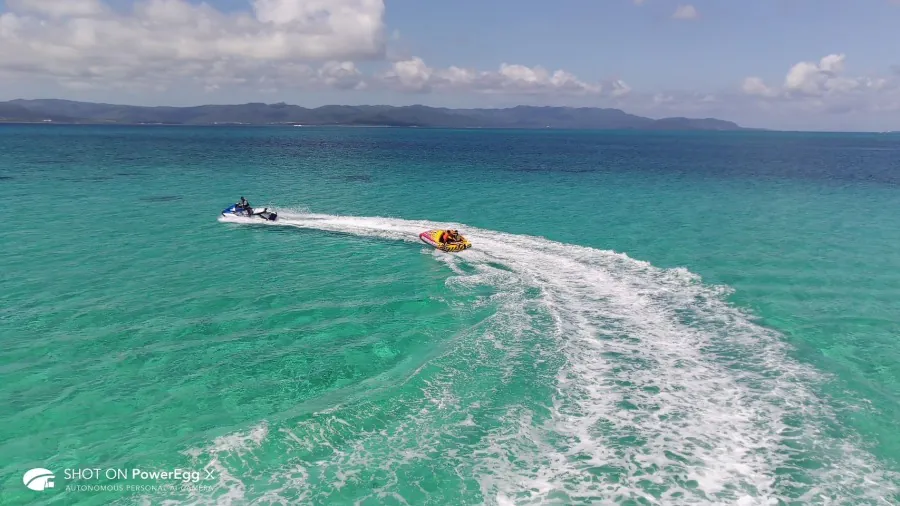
{"type": "Point", "coordinates": [66, 111]}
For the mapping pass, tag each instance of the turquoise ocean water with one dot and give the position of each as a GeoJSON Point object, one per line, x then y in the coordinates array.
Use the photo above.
{"type": "Point", "coordinates": [644, 318]}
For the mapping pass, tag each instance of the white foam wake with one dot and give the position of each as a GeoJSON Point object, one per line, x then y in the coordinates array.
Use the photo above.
{"type": "Point", "coordinates": [664, 391]}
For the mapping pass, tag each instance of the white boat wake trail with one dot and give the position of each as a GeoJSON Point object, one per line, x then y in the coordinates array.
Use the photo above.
{"type": "Point", "coordinates": [664, 393]}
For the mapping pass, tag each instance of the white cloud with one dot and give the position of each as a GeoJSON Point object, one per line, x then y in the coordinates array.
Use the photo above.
{"type": "Point", "coordinates": [824, 87]}
{"type": "Point", "coordinates": [756, 86]}
{"type": "Point", "coordinates": [57, 8]}
{"type": "Point", "coordinates": [279, 46]}
{"type": "Point", "coordinates": [341, 75]}
{"type": "Point", "coordinates": [87, 42]}
{"type": "Point", "coordinates": [414, 75]}
{"type": "Point", "coordinates": [334, 75]}
{"type": "Point", "coordinates": [686, 12]}
{"type": "Point", "coordinates": [824, 78]}
{"type": "Point", "coordinates": [619, 88]}
{"type": "Point", "coordinates": [410, 75]}
{"type": "Point", "coordinates": [812, 79]}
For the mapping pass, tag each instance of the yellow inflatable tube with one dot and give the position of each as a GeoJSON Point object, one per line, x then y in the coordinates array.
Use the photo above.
{"type": "Point", "coordinates": [433, 238]}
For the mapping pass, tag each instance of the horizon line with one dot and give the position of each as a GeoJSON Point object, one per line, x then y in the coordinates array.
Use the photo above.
{"type": "Point", "coordinates": [334, 105]}
{"type": "Point", "coordinates": [742, 128]}
{"type": "Point", "coordinates": [524, 129]}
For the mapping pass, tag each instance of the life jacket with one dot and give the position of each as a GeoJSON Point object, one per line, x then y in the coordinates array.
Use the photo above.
{"type": "Point", "coordinates": [444, 237]}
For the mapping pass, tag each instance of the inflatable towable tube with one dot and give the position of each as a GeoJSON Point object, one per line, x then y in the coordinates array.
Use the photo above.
{"type": "Point", "coordinates": [432, 238]}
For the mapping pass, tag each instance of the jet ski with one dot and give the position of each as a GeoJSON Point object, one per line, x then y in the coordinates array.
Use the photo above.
{"type": "Point", "coordinates": [249, 212]}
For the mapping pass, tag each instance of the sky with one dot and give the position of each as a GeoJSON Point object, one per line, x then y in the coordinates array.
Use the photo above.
{"type": "Point", "coordinates": [782, 64]}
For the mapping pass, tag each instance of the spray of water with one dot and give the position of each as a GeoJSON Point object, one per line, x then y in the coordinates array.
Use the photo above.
{"type": "Point", "coordinates": [662, 392]}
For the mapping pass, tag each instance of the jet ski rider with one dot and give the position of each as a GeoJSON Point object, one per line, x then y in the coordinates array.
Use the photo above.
{"type": "Point", "coordinates": [243, 204]}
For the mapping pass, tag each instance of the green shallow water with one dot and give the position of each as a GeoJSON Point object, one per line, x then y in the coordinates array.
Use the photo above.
{"type": "Point", "coordinates": [643, 319]}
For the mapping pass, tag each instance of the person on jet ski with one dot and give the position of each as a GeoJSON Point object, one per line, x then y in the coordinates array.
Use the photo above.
{"type": "Point", "coordinates": [243, 204]}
